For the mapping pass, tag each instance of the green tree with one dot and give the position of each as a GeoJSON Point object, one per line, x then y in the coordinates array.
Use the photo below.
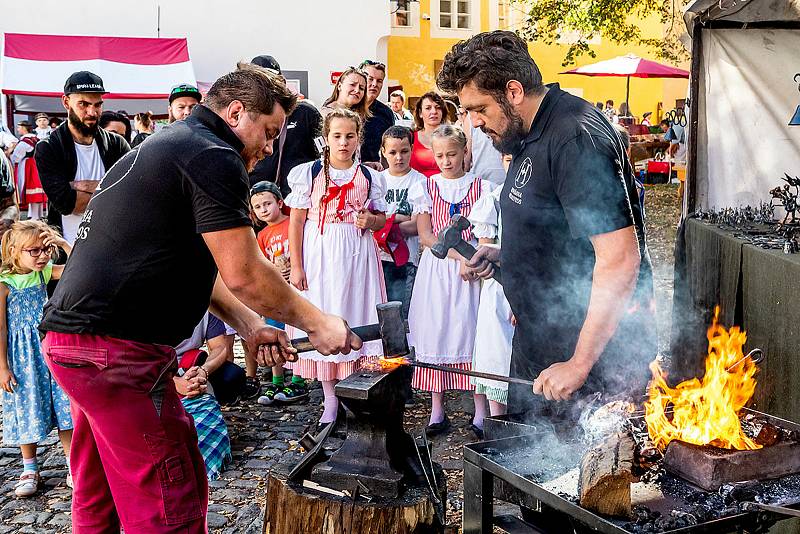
{"type": "Point", "coordinates": [547, 21]}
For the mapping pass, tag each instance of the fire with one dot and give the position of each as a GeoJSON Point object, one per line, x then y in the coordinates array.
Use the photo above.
{"type": "Point", "coordinates": [705, 412]}
{"type": "Point", "coordinates": [385, 364]}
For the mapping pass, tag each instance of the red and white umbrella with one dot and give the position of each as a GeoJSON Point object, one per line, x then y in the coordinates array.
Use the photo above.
{"type": "Point", "coordinates": [629, 66]}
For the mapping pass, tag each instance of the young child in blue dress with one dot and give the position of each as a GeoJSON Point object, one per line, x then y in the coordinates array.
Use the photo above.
{"type": "Point", "coordinates": [33, 404]}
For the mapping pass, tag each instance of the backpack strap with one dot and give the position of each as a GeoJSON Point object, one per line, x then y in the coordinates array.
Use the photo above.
{"type": "Point", "coordinates": [365, 171]}
{"type": "Point", "coordinates": [315, 168]}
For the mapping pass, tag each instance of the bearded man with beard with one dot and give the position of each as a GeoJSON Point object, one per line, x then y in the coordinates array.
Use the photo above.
{"type": "Point", "coordinates": [73, 160]}
{"type": "Point", "coordinates": [575, 265]}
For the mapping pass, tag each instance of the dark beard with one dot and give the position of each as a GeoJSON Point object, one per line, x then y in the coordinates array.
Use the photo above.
{"type": "Point", "coordinates": [509, 141]}
{"type": "Point", "coordinates": [78, 124]}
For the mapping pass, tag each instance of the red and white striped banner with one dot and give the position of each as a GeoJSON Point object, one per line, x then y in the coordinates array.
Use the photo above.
{"type": "Point", "coordinates": [131, 67]}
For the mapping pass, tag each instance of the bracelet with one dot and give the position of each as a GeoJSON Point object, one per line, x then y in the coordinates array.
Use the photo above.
{"type": "Point", "coordinates": [204, 370]}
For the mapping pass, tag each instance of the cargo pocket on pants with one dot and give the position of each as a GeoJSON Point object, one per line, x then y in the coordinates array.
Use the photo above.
{"type": "Point", "coordinates": [179, 495]}
{"type": "Point", "coordinates": [74, 357]}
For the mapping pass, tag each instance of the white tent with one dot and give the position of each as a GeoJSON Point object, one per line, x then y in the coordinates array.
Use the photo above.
{"type": "Point", "coordinates": [137, 72]}
{"type": "Point", "coordinates": [744, 95]}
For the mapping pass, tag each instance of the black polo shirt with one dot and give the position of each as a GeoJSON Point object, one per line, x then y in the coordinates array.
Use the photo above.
{"type": "Point", "coordinates": [381, 119]}
{"type": "Point", "coordinates": [140, 269]}
{"type": "Point", "coordinates": [570, 180]}
{"type": "Point", "coordinates": [303, 127]}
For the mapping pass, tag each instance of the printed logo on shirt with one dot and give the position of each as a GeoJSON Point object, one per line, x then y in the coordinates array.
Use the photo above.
{"type": "Point", "coordinates": [291, 125]}
{"type": "Point", "coordinates": [524, 173]}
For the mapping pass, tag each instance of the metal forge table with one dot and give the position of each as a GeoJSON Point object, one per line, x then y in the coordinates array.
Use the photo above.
{"type": "Point", "coordinates": [505, 468]}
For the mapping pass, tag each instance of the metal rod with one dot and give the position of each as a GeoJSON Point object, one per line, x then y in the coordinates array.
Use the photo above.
{"type": "Point", "coordinates": [783, 510]}
{"type": "Point", "coordinates": [476, 374]}
{"type": "Point", "coordinates": [757, 355]}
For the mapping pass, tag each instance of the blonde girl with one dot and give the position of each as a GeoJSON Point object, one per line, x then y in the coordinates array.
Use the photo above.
{"type": "Point", "coordinates": [444, 304]}
{"type": "Point", "coordinates": [335, 201]}
{"type": "Point", "coordinates": [33, 404]}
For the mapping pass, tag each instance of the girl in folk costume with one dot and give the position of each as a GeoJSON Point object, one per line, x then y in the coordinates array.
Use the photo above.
{"type": "Point", "coordinates": [444, 304]}
{"type": "Point", "coordinates": [29, 187]}
{"type": "Point", "coordinates": [495, 328]}
{"type": "Point", "coordinates": [335, 260]}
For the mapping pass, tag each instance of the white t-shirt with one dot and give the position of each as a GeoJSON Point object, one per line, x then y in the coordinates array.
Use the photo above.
{"type": "Point", "coordinates": [487, 161]}
{"type": "Point", "coordinates": [397, 200]}
{"type": "Point", "coordinates": [90, 167]}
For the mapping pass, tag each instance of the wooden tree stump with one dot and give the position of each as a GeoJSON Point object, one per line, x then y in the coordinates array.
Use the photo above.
{"type": "Point", "coordinates": [293, 509]}
{"type": "Point", "coordinates": [605, 476]}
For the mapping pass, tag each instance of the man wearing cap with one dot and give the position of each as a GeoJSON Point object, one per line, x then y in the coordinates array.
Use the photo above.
{"type": "Point", "coordinates": [297, 142]}
{"type": "Point", "coordinates": [381, 116]}
{"type": "Point", "coordinates": [76, 155]}
{"type": "Point", "coordinates": [182, 99]}
{"type": "Point", "coordinates": [43, 128]}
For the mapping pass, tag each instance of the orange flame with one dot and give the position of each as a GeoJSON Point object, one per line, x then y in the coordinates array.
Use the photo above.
{"type": "Point", "coordinates": [385, 364]}
{"type": "Point", "coordinates": [705, 412]}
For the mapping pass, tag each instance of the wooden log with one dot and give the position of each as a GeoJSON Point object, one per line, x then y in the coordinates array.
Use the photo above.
{"type": "Point", "coordinates": [605, 476]}
{"type": "Point", "coordinates": [293, 509]}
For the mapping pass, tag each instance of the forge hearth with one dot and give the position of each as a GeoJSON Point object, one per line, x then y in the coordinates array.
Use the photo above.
{"type": "Point", "coordinates": [711, 467]}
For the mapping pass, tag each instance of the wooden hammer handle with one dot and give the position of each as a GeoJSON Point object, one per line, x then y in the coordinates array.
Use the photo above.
{"type": "Point", "coordinates": [370, 332]}
{"type": "Point", "coordinates": [476, 374]}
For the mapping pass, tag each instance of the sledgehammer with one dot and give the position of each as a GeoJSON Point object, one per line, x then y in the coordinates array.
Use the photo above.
{"type": "Point", "coordinates": [450, 237]}
{"type": "Point", "coordinates": [390, 329]}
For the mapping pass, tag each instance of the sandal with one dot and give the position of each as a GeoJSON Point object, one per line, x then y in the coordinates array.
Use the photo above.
{"type": "Point", "coordinates": [28, 484]}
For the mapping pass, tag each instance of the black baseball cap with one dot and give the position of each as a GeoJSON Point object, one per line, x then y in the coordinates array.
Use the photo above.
{"type": "Point", "coordinates": [184, 89]}
{"type": "Point", "coordinates": [84, 82]}
{"type": "Point", "coordinates": [266, 187]}
{"type": "Point", "coordinates": [268, 62]}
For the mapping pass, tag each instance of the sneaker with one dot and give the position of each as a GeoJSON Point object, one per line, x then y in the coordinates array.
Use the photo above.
{"type": "Point", "coordinates": [252, 387]}
{"type": "Point", "coordinates": [28, 484]}
{"type": "Point", "coordinates": [292, 393]}
{"type": "Point", "coordinates": [70, 485]}
{"type": "Point", "coordinates": [269, 395]}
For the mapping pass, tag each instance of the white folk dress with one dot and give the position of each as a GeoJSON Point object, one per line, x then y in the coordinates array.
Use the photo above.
{"type": "Point", "coordinates": [444, 308]}
{"type": "Point", "coordinates": [341, 262]}
{"type": "Point", "coordinates": [494, 332]}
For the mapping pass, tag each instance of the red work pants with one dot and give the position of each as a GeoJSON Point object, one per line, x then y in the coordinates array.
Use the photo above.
{"type": "Point", "coordinates": [135, 458]}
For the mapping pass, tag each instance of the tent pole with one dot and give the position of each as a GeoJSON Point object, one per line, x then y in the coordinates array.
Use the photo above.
{"type": "Point", "coordinates": [628, 95]}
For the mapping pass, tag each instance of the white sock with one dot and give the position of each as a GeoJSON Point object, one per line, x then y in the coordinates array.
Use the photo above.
{"type": "Point", "coordinates": [331, 404]}
{"type": "Point", "coordinates": [437, 408]}
{"type": "Point", "coordinates": [480, 410]}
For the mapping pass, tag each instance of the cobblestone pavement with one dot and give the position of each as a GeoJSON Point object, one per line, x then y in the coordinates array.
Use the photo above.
{"type": "Point", "coordinates": [261, 437]}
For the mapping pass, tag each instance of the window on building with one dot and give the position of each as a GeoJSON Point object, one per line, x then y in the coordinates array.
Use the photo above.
{"type": "Point", "coordinates": [503, 14]}
{"type": "Point", "coordinates": [455, 14]}
{"type": "Point", "coordinates": [401, 13]}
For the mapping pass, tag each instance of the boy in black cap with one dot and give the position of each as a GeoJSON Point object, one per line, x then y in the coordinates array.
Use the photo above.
{"type": "Point", "coordinates": [182, 99]}
{"type": "Point", "coordinates": [296, 143]}
{"type": "Point", "coordinates": [76, 155]}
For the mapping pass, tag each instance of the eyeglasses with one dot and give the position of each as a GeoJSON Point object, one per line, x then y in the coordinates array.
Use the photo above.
{"type": "Point", "coordinates": [35, 252]}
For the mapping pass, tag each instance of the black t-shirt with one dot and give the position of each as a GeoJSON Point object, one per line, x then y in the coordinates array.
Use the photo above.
{"type": "Point", "coordinates": [381, 120]}
{"type": "Point", "coordinates": [570, 180]}
{"type": "Point", "coordinates": [140, 269]}
{"type": "Point", "coordinates": [303, 126]}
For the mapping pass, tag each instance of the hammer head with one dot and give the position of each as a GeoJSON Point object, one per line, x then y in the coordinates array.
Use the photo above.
{"type": "Point", "coordinates": [393, 329]}
{"type": "Point", "coordinates": [450, 236]}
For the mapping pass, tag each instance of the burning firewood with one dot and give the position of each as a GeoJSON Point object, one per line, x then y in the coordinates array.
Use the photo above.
{"type": "Point", "coordinates": [606, 477]}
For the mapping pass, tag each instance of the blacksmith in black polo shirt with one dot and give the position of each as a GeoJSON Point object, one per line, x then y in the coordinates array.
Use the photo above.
{"type": "Point", "coordinates": [165, 220]}
{"type": "Point", "coordinates": [575, 265]}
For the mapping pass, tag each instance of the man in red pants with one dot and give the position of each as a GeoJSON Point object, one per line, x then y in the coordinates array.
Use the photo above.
{"type": "Point", "coordinates": [165, 236]}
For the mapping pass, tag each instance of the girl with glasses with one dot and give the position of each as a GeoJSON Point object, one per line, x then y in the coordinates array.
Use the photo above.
{"type": "Point", "coordinates": [33, 404]}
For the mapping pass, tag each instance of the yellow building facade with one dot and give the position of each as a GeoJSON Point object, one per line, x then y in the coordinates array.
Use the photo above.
{"type": "Point", "coordinates": [424, 31]}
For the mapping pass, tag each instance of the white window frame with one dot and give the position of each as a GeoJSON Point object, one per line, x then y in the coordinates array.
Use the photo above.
{"type": "Point", "coordinates": [414, 18]}
{"type": "Point", "coordinates": [456, 33]}
{"type": "Point", "coordinates": [494, 15]}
